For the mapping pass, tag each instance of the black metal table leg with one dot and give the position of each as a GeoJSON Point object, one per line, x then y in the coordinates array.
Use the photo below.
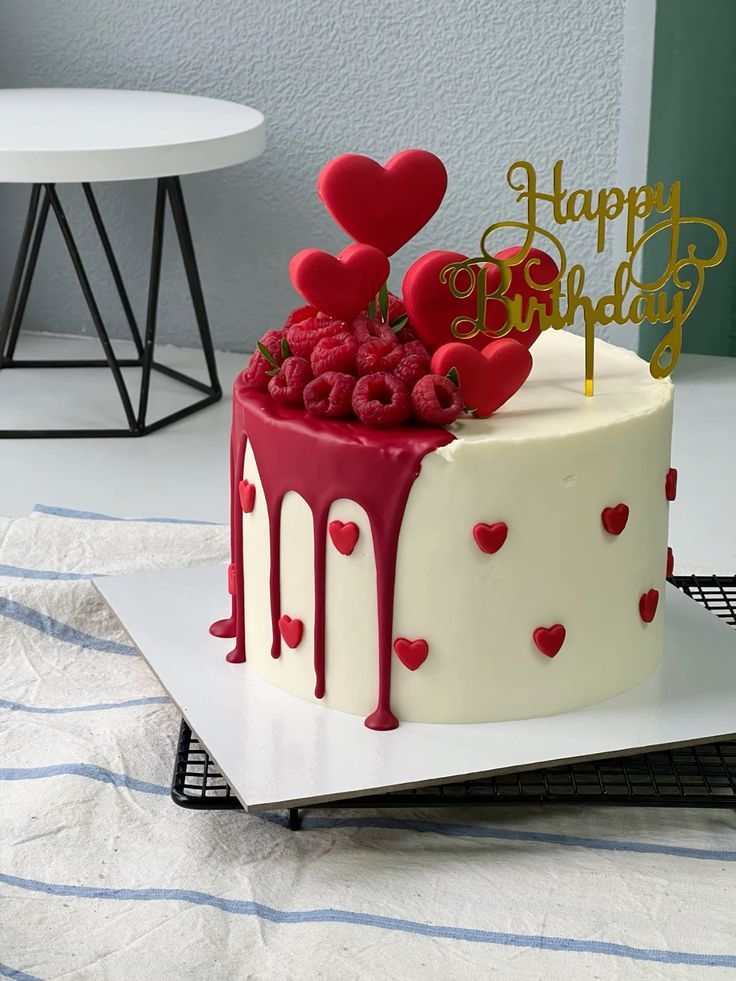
{"type": "Point", "coordinates": [45, 198]}
{"type": "Point", "coordinates": [176, 199]}
{"type": "Point", "coordinates": [11, 304]}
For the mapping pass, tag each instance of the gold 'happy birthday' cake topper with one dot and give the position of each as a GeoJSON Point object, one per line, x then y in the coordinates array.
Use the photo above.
{"type": "Point", "coordinates": [632, 299]}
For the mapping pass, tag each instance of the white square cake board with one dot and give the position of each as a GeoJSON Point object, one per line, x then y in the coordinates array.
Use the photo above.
{"type": "Point", "coordinates": [276, 750]}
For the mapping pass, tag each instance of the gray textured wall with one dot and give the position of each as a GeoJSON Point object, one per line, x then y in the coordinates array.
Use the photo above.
{"type": "Point", "coordinates": [480, 83]}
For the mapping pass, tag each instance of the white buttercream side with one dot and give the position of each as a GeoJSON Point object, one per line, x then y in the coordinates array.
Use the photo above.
{"type": "Point", "coordinates": [546, 464]}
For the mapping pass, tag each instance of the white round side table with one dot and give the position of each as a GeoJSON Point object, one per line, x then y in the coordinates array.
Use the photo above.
{"type": "Point", "coordinates": [60, 136]}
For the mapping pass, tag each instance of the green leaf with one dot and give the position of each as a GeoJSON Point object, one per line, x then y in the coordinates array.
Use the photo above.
{"type": "Point", "coordinates": [285, 349]}
{"type": "Point", "coordinates": [267, 355]}
{"type": "Point", "coordinates": [272, 372]}
{"type": "Point", "coordinates": [469, 409]}
{"type": "Point", "coordinates": [453, 376]}
{"type": "Point", "coordinates": [372, 309]}
{"type": "Point", "coordinates": [383, 302]}
{"type": "Point", "coordinates": [400, 323]}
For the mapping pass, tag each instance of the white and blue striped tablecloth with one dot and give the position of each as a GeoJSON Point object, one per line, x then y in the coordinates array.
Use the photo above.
{"type": "Point", "coordinates": [103, 877]}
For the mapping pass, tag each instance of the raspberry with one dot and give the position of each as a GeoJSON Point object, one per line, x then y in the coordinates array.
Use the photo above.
{"type": "Point", "coordinates": [256, 374]}
{"type": "Point", "coordinates": [330, 395]}
{"type": "Point", "coordinates": [406, 334]}
{"type": "Point", "coordinates": [288, 386]}
{"type": "Point", "coordinates": [378, 354]}
{"type": "Point", "coordinates": [335, 353]}
{"type": "Point", "coordinates": [417, 347]}
{"type": "Point", "coordinates": [298, 315]}
{"type": "Point", "coordinates": [381, 400]}
{"type": "Point", "coordinates": [303, 337]}
{"type": "Point", "coordinates": [364, 329]}
{"type": "Point", "coordinates": [436, 401]}
{"type": "Point", "coordinates": [411, 368]}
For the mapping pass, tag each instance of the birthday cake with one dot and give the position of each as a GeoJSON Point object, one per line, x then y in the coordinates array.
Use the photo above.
{"type": "Point", "coordinates": [435, 523]}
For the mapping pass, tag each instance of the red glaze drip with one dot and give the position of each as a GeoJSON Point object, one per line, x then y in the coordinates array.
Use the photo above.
{"type": "Point", "coordinates": [234, 625]}
{"type": "Point", "coordinates": [226, 626]}
{"type": "Point", "coordinates": [323, 460]}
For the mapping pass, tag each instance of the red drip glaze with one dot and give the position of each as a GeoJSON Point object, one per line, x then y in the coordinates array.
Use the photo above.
{"type": "Point", "coordinates": [226, 626]}
{"type": "Point", "coordinates": [239, 441]}
{"type": "Point", "coordinates": [324, 460]}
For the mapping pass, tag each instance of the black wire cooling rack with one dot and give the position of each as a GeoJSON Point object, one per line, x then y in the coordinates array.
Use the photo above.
{"type": "Point", "coordinates": [693, 776]}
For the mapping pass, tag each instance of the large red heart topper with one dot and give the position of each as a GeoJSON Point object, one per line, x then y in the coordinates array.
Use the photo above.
{"type": "Point", "coordinates": [432, 307]}
{"type": "Point", "coordinates": [341, 285]}
{"type": "Point", "coordinates": [487, 378]}
{"type": "Point", "coordinates": [383, 206]}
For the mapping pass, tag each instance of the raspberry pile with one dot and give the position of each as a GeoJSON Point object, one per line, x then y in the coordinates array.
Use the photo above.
{"type": "Point", "coordinates": [370, 369]}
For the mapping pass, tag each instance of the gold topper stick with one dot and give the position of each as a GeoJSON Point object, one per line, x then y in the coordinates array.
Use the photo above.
{"type": "Point", "coordinates": [652, 303]}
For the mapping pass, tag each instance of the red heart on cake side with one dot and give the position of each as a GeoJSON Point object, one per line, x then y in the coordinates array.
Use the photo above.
{"type": "Point", "coordinates": [489, 538]}
{"type": "Point", "coordinates": [383, 206]}
{"type": "Point", "coordinates": [487, 378]}
{"type": "Point", "coordinates": [648, 605]}
{"type": "Point", "coordinates": [291, 630]}
{"type": "Point", "coordinates": [247, 494]}
{"type": "Point", "coordinates": [340, 285]}
{"type": "Point", "coordinates": [432, 308]}
{"type": "Point", "coordinates": [549, 640]}
{"type": "Point", "coordinates": [670, 562]}
{"type": "Point", "coordinates": [614, 519]}
{"type": "Point", "coordinates": [670, 484]}
{"type": "Point", "coordinates": [231, 580]}
{"type": "Point", "coordinates": [411, 653]}
{"type": "Point", "coordinates": [344, 536]}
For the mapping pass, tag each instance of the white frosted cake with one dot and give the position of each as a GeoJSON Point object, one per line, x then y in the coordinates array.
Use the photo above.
{"type": "Point", "coordinates": [531, 551]}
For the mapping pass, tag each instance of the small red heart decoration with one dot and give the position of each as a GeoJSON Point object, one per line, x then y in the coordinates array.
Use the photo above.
{"type": "Point", "coordinates": [549, 640]}
{"type": "Point", "coordinates": [411, 653]}
{"type": "Point", "coordinates": [432, 308]}
{"type": "Point", "coordinates": [340, 285]}
{"type": "Point", "coordinates": [231, 579]}
{"type": "Point", "coordinates": [670, 562]}
{"type": "Point", "coordinates": [489, 538]}
{"type": "Point", "coordinates": [383, 206]}
{"type": "Point", "coordinates": [291, 631]}
{"type": "Point", "coordinates": [488, 378]}
{"type": "Point", "coordinates": [648, 605]}
{"type": "Point", "coordinates": [247, 494]}
{"type": "Point", "coordinates": [614, 519]}
{"type": "Point", "coordinates": [344, 536]}
{"type": "Point", "coordinates": [670, 484]}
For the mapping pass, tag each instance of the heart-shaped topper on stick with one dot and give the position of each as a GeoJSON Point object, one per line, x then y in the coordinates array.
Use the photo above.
{"type": "Point", "coordinates": [383, 206]}
{"type": "Point", "coordinates": [340, 285]}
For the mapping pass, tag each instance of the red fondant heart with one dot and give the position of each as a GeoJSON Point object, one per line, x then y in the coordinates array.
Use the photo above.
{"type": "Point", "coordinates": [411, 653]}
{"type": "Point", "coordinates": [344, 536]}
{"type": "Point", "coordinates": [489, 538]}
{"type": "Point", "coordinates": [231, 579]}
{"type": "Point", "coordinates": [670, 561]}
{"type": "Point", "coordinates": [488, 378]}
{"type": "Point", "coordinates": [670, 484]}
{"type": "Point", "coordinates": [614, 519]}
{"type": "Point", "coordinates": [247, 494]}
{"type": "Point", "coordinates": [648, 605]}
{"type": "Point", "coordinates": [432, 308]}
{"type": "Point", "coordinates": [341, 285]}
{"type": "Point", "coordinates": [549, 640]}
{"type": "Point", "coordinates": [383, 206]}
{"type": "Point", "coordinates": [291, 630]}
